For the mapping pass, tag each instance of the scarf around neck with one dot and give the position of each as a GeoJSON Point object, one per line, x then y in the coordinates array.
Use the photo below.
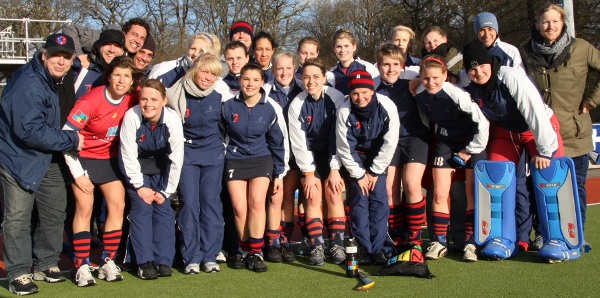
{"type": "Point", "coordinates": [551, 55]}
{"type": "Point", "coordinates": [365, 113]}
{"type": "Point", "coordinates": [177, 94]}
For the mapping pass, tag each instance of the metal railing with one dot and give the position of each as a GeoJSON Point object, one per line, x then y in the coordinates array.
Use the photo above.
{"type": "Point", "coordinates": [21, 48]}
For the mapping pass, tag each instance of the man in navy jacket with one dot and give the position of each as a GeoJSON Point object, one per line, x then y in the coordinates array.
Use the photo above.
{"type": "Point", "coordinates": [31, 141]}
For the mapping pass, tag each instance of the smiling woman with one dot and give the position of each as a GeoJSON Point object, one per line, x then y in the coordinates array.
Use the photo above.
{"type": "Point", "coordinates": [201, 212]}
{"type": "Point", "coordinates": [151, 167]}
{"type": "Point", "coordinates": [97, 116]}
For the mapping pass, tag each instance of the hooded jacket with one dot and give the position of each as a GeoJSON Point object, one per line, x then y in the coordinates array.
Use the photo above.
{"type": "Point", "coordinates": [30, 124]}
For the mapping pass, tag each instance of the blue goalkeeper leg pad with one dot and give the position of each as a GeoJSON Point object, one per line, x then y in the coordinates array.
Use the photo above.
{"type": "Point", "coordinates": [495, 220]}
{"type": "Point", "coordinates": [558, 208]}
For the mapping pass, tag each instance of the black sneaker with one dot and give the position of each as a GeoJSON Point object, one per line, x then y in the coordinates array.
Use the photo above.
{"type": "Point", "coordinates": [50, 275]}
{"type": "Point", "coordinates": [238, 261]}
{"type": "Point", "coordinates": [274, 254]}
{"type": "Point", "coordinates": [363, 257]}
{"type": "Point", "coordinates": [23, 285]}
{"type": "Point", "coordinates": [287, 254]}
{"type": "Point", "coordinates": [147, 271]}
{"type": "Point", "coordinates": [379, 258]}
{"type": "Point", "coordinates": [256, 263]}
{"type": "Point", "coordinates": [164, 270]}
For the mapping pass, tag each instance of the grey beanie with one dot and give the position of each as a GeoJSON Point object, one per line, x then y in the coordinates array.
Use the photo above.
{"type": "Point", "coordinates": [485, 19]}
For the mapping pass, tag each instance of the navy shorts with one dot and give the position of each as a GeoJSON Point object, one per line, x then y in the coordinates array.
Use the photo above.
{"type": "Point", "coordinates": [445, 150]}
{"type": "Point", "coordinates": [411, 149]}
{"type": "Point", "coordinates": [248, 168]}
{"type": "Point", "coordinates": [101, 171]}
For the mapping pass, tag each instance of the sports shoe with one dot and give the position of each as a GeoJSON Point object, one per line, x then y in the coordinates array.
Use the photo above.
{"type": "Point", "coordinates": [287, 254]}
{"type": "Point", "coordinates": [537, 243]}
{"type": "Point", "coordinates": [50, 275]}
{"type": "Point", "coordinates": [210, 267]}
{"type": "Point", "coordinates": [147, 271]}
{"type": "Point", "coordinates": [256, 263]}
{"type": "Point", "coordinates": [23, 285]}
{"type": "Point", "coordinates": [304, 249]}
{"type": "Point", "coordinates": [109, 271]}
{"type": "Point", "coordinates": [164, 270]}
{"type": "Point", "coordinates": [470, 254]}
{"type": "Point", "coordinates": [379, 258]}
{"type": "Point", "coordinates": [239, 261]}
{"type": "Point", "coordinates": [84, 277]}
{"type": "Point", "coordinates": [364, 259]}
{"type": "Point", "coordinates": [274, 254]}
{"type": "Point", "coordinates": [338, 255]}
{"type": "Point", "coordinates": [317, 256]}
{"type": "Point", "coordinates": [523, 245]}
{"type": "Point", "coordinates": [436, 250]}
{"type": "Point", "coordinates": [222, 257]}
{"type": "Point", "coordinates": [192, 268]}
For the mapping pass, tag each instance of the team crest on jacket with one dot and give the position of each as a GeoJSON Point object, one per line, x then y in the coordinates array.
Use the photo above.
{"type": "Point", "coordinates": [358, 125]}
{"type": "Point", "coordinates": [187, 112]}
{"type": "Point", "coordinates": [309, 120]}
{"type": "Point", "coordinates": [80, 117]}
{"type": "Point", "coordinates": [235, 118]}
{"type": "Point", "coordinates": [479, 102]}
{"type": "Point", "coordinates": [142, 138]}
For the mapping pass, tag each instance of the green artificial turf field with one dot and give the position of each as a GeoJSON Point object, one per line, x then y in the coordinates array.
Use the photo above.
{"type": "Point", "coordinates": [524, 276]}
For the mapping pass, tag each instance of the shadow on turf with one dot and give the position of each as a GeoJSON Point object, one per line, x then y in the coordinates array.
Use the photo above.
{"type": "Point", "coordinates": [302, 262]}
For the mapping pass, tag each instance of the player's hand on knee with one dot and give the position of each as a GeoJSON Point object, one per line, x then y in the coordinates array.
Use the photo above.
{"type": "Point", "coordinates": [335, 182]}
{"type": "Point", "coordinates": [541, 162]}
{"type": "Point", "coordinates": [85, 184]}
{"type": "Point", "coordinates": [363, 183]}
{"type": "Point", "coordinates": [372, 181]}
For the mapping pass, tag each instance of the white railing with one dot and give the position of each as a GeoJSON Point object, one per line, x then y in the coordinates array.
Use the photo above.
{"type": "Point", "coordinates": [19, 48]}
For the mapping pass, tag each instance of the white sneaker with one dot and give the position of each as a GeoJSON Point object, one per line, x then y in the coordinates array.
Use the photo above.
{"type": "Point", "coordinates": [109, 271]}
{"type": "Point", "coordinates": [222, 257]}
{"type": "Point", "coordinates": [84, 277]}
{"type": "Point", "coordinates": [435, 251]}
{"type": "Point", "coordinates": [210, 267]}
{"type": "Point", "coordinates": [192, 268]}
{"type": "Point", "coordinates": [470, 254]}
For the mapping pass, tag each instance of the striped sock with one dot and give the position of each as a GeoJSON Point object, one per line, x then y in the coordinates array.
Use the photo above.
{"type": "Point", "coordinates": [111, 241]}
{"type": "Point", "coordinates": [287, 228]}
{"type": "Point", "coordinates": [273, 236]}
{"type": "Point", "coordinates": [244, 246]}
{"type": "Point", "coordinates": [302, 224]}
{"type": "Point", "coordinates": [415, 217]}
{"type": "Point", "coordinates": [336, 227]}
{"type": "Point", "coordinates": [469, 223]}
{"type": "Point", "coordinates": [440, 226]}
{"type": "Point", "coordinates": [396, 222]}
{"type": "Point", "coordinates": [81, 247]}
{"type": "Point", "coordinates": [256, 244]}
{"type": "Point", "coordinates": [314, 228]}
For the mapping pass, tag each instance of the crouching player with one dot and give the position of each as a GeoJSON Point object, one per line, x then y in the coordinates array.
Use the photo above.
{"type": "Point", "coordinates": [151, 160]}
{"type": "Point", "coordinates": [519, 120]}
{"type": "Point", "coordinates": [461, 134]}
{"type": "Point", "coordinates": [367, 136]}
{"type": "Point", "coordinates": [312, 134]}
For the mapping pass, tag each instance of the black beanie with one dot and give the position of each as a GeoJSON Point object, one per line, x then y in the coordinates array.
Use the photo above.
{"type": "Point", "coordinates": [475, 54]}
{"type": "Point", "coordinates": [112, 35]}
{"type": "Point", "coordinates": [150, 44]}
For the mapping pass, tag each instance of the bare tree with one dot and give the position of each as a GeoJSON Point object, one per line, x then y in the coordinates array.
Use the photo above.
{"type": "Point", "coordinates": [106, 12]}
